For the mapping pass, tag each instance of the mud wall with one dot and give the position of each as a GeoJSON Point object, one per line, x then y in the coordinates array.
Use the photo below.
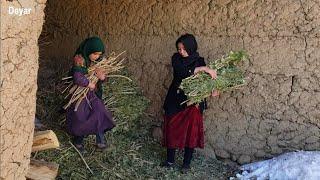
{"type": "Point", "coordinates": [19, 67]}
{"type": "Point", "coordinates": [277, 111]}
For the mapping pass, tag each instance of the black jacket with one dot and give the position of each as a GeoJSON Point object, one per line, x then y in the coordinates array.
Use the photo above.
{"type": "Point", "coordinates": [182, 68]}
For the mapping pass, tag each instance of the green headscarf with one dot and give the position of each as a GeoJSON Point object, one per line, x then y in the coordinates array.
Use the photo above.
{"type": "Point", "coordinates": [87, 47]}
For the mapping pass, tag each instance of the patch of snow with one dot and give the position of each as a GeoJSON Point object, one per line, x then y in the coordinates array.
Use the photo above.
{"type": "Point", "coordinates": [301, 165]}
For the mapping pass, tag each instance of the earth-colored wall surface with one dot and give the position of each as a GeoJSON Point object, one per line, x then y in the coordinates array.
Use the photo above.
{"type": "Point", "coordinates": [19, 67]}
{"type": "Point", "coordinates": [277, 111]}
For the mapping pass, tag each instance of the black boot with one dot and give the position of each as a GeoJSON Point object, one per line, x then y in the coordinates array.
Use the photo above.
{"type": "Point", "coordinates": [101, 141]}
{"type": "Point", "coordinates": [78, 143]}
{"type": "Point", "coordinates": [187, 160]}
{"type": "Point", "coordinates": [169, 163]}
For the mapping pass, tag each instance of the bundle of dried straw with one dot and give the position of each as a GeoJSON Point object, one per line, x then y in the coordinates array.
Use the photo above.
{"type": "Point", "coordinates": [112, 63]}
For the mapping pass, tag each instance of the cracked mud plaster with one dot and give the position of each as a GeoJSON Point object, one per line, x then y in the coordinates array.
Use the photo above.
{"type": "Point", "coordinates": [277, 111]}
{"type": "Point", "coordinates": [19, 66]}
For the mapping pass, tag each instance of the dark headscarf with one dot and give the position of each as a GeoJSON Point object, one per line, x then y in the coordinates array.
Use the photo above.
{"type": "Point", "coordinates": [87, 47]}
{"type": "Point", "coordinates": [189, 42]}
{"type": "Point", "coordinates": [191, 46]}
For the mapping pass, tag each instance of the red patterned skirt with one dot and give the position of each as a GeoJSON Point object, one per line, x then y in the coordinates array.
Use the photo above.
{"type": "Point", "coordinates": [184, 129]}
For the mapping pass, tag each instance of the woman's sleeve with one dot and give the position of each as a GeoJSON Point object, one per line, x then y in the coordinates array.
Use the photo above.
{"type": "Point", "coordinates": [80, 79]}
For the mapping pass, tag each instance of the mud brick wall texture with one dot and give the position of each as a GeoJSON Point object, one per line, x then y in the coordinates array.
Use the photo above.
{"type": "Point", "coordinates": [277, 111]}
{"type": "Point", "coordinates": [19, 67]}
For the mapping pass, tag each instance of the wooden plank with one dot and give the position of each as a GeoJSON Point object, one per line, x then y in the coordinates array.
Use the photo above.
{"type": "Point", "coordinates": [43, 140]}
{"type": "Point", "coordinates": [41, 170]}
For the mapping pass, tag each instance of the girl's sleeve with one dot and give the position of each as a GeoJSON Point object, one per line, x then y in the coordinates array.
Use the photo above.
{"type": "Point", "coordinates": [80, 79]}
{"type": "Point", "coordinates": [203, 104]}
{"type": "Point", "coordinates": [202, 62]}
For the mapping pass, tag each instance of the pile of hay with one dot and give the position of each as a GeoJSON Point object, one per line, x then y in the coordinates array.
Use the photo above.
{"type": "Point", "coordinates": [132, 153]}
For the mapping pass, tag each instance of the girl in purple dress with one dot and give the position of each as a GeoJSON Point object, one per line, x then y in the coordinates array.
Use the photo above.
{"type": "Point", "coordinates": [91, 117]}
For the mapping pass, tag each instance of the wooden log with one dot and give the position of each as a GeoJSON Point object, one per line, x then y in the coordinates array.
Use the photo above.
{"type": "Point", "coordinates": [43, 140]}
{"type": "Point", "coordinates": [41, 170]}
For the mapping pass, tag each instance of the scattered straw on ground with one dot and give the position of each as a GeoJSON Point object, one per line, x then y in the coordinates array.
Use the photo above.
{"type": "Point", "coordinates": [132, 152]}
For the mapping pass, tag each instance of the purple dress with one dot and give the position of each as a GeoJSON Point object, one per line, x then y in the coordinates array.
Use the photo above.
{"type": "Point", "coordinates": [88, 119]}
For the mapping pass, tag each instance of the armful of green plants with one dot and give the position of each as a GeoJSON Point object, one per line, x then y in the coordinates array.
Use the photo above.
{"type": "Point", "coordinates": [201, 85]}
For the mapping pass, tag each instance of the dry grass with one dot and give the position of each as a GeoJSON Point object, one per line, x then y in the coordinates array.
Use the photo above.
{"type": "Point", "coordinates": [109, 65]}
{"type": "Point", "coordinates": [132, 152]}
